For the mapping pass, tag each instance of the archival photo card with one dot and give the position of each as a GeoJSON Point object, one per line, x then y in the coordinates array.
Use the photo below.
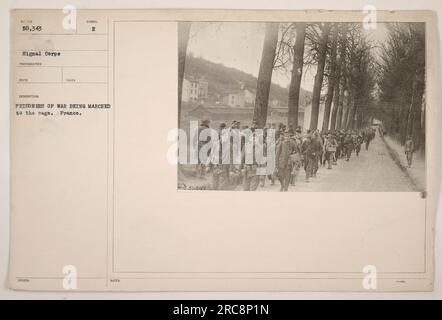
{"type": "Point", "coordinates": [302, 106]}
{"type": "Point", "coordinates": [130, 130]}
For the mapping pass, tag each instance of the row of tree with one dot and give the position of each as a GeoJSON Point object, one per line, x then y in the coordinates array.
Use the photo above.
{"type": "Point", "coordinates": [341, 54]}
{"type": "Point", "coordinates": [401, 82]}
{"type": "Point", "coordinates": [353, 84]}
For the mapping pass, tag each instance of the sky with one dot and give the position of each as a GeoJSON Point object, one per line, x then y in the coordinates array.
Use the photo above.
{"type": "Point", "coordinates": [239, 45]}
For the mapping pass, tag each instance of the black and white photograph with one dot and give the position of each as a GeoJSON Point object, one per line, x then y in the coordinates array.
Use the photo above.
{"type": "Point", "coordinates": [129, 131]}
{"type": "Point", "coordinates": [302, 106]}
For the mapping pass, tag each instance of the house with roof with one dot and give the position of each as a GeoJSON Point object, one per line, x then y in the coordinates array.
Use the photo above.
{"type": "Point", "coordinates": [194, 89]}
{"type": "Point", "coordinates": [243, 98]}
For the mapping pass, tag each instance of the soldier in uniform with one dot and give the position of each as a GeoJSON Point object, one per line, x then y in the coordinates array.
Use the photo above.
{"type": "Point", "coordinates": [295, 158]}
{"type": "Point", "coordinates": [200, 167]}
{"type": "Point", "coordinates": [318, 148]}
{"type": "Point", "coordinates": [304, 147]}
{"type": "Point", "coordinates": [330, 149]}
{"type": "Point", "coordinates": [340, 148]}
{"type": "Point", "coordinates": [249, 170]}
{"type": "Point", "coordinates": [409, 150]}
{"type": "Point", "coordinates": [369, 135]}
{"type": "Point", "coordinates": [219, 162]}
{"type": "Point", "coordinates": [284, 164]}
{"type": "Point", "coordinates": [311, 149]}
{"type": "Point", "coordinates": [279, 132]}
{"type": "Point", "coordinates": [348, 146]}
{"type": "Point", "coordinates": [358, 142]}
{"type": "Point", "coordinates": [262, 167]}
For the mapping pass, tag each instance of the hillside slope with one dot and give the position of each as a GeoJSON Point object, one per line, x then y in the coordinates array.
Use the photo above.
{"type": "Point", "coordinates": [223, 80]}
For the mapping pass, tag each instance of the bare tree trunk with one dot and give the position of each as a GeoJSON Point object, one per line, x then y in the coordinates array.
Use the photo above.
{"type": "Point", "coordinates": [346, 108]}
{"type": "Point", "coordinates": [265, 74]}
{"type": "Point", "coordinates": [416, 113]}
{"type": "Point", "coordinates": [350, 111]}
{"type": "Point", "coordinates": [408, 130]}
{"type": "Point", "coordinates": [183, 40]}
{"type": "Point", "coordinates": [421, 127]}
{"type": "Point", "coordinates": [354, 113]}
{"type": "Point", "coordinates": [338, 87]}
{"type": "Point", "coordinates": [359, 117]}
{"type": "Point", "coordinates": [316, 98]}
{"type": "Point", "coordinates": [295, 81]}
{"type": "Point", "coordinates": [331, 80]}
{"type": "Point", "coordinates": [340, 105]}
{"type": "Point", "coordinates": [402, 121]}
{"type": "Point", "coordinates": [362, 118]}
{"type": "Point", "coordinates": [417, 128]}
{"type": "Point", "coordinates": [334, 113]}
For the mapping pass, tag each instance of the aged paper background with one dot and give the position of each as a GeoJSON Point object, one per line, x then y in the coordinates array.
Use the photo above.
{"type": "Point", "coordinates": [132, 250]}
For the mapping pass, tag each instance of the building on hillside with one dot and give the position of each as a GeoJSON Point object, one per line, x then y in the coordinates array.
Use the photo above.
{"type": "Point", "coordinates": [241, 99]}
{"type": "Point", "coordinates": [190, 90]}
{"type": "Point", "coordinates": [234, 100]}
{"type": "Point", "coordinates": [194, 89]}
{"type": "Point", "coordinates": [249, 98]}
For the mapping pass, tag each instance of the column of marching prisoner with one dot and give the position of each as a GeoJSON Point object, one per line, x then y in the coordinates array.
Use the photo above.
{"type": "Point", "coordinates": [230, 169]}
{"type": "Point", "coordinates": [294, 150]}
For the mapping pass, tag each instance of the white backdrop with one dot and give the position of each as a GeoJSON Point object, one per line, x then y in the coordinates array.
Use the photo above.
{"type": "Point", "coordinates": [5, 6]}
